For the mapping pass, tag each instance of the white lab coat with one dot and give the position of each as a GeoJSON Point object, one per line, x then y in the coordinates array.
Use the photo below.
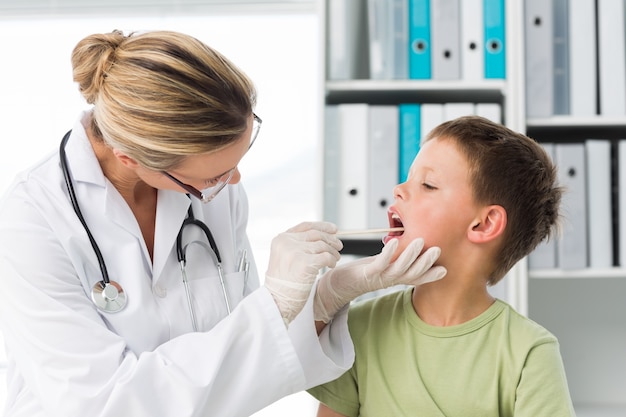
{"type": "Point", "coordinates": [66, 358]}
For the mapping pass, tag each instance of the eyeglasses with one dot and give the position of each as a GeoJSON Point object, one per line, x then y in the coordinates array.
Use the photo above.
{"type": "Point", "coordinates": [217, 184]}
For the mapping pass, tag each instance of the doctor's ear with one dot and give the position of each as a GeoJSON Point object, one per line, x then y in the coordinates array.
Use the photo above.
{"type": "Point", "coordinates": [126, 160]}
{"type": "Point", "coordinates": [489, 225]}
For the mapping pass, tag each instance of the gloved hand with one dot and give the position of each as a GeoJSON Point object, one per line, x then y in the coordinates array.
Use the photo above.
{"type": "Point", "coordinates": [339, 286]}
{"type": "Point", "coordinates": [296, 257]}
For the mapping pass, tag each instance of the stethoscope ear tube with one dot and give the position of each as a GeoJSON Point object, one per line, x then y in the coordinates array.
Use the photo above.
{"type": "Point", "coordinates": [107, 295]}
{"type": "Point", "coordinates": [179, 239]}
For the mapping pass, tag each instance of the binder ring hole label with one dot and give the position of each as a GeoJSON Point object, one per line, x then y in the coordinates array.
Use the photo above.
{"type": "Point", "coordinates": [419, 46]}
{"type": "Point", "coordinates": [494, 46]}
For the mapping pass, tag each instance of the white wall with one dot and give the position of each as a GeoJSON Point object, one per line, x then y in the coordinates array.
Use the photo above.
{"type": "Point", "coordinates": [39, 103]}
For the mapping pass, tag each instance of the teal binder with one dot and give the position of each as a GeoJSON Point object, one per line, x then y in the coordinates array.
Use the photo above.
{"type": "Point", "coordinates": [495, 42]}
{"type": "Point", "coordinates": [409, 115]}
{"type": "Point", "coordinates": [419, 40]}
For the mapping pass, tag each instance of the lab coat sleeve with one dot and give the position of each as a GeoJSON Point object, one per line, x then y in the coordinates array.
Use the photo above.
{"type": "Point", "coordinates": [332, 356]}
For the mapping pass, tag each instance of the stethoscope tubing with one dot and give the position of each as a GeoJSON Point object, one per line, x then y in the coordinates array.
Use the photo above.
{"type": "Point", "coordinates": [182, 260]}
{"type": "Point", "coordinates": [79, 214]}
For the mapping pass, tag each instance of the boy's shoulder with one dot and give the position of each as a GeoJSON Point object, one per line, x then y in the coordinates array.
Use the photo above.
{"type": "Point", "coordinates": [524, 328]}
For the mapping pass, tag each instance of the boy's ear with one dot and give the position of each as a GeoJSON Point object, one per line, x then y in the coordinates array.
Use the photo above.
{"type": "Point", "coordinates": [490, 225]}
{"type": "Point", "coordinates": [126, 160]}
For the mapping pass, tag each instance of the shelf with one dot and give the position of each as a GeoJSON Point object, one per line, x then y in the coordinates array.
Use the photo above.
{"type": "Point", "coordinates": [416, 91]}
{"type": "Point", "coordinates": [600, 411]}
{"type": "Point", "coordinates": [577, 273]}
{"type": "Point", "coordinates": [362, 247]}
{"type": "Point", "coordinates": [572, 128]}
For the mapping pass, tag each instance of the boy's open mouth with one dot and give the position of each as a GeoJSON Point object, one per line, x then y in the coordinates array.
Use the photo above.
{"type": "Point", "coordinates": [394, 221]}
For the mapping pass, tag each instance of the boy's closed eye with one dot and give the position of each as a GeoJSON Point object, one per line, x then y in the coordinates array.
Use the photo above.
{"type": "Point", "coordinates": [428, 186]}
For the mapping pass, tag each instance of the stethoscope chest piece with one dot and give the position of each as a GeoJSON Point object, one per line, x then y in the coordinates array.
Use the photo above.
{"type": "Point", "coordinates": [108, 297]}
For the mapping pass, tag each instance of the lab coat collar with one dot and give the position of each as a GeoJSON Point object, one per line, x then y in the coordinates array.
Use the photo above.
{"type": "Point", "coordinates": [83, 165]}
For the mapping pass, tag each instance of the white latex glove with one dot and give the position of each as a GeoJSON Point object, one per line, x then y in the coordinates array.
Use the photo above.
{"type": "Point", "coordinates": [296, 257]}
{"type": "Point", "coordinates": [339, 286]}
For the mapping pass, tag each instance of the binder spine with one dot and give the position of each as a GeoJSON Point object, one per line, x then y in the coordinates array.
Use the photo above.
{"type": "Point", "coordinates": [561, 57]}
{"type": "Point", "coordinates": [495, 41]}
{"type": "Point", "coordinates": [409, 115]}
{"type": "Point", "coordinates": [419, 40]}
{"type": "Point", "coordinates": [446, 41]}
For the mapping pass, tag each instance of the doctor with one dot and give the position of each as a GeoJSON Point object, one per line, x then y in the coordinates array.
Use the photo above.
{"type": "Point", "coordinates": [129, 285]}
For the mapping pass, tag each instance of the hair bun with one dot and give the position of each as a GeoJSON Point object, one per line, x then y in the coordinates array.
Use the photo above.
{"type": "Point", "coordinates": [92, 58]}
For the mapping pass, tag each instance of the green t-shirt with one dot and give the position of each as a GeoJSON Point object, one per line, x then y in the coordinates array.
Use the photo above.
{"type": "Point", "coordinates": [498, 364]}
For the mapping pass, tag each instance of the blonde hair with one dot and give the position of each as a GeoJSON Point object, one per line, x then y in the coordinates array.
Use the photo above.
{"type": "Point", "coordinates": [161, 96]}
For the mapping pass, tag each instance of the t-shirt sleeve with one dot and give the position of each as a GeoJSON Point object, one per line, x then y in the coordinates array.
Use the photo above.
{"type": "Point", "coordinates": [341, 395]}
{"type": "Point", "coordinates": [543, 390]}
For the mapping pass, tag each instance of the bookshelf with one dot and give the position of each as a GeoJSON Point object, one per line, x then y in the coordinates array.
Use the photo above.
{"type": "Point", "coordinates": [584, 307]}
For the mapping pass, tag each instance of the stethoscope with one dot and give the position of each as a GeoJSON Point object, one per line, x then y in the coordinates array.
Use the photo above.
{"type": "Point", "coordinates": [181, 253]}
{"type": "Point", "coordinates": [109, 296]}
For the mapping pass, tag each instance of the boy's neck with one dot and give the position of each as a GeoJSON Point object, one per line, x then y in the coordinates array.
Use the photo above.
{"type": "Point", "coordinates": [450, 303]}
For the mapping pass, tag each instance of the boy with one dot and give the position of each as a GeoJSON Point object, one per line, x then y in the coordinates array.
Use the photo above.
{"type": "Point", "coordinates": [486, 196]}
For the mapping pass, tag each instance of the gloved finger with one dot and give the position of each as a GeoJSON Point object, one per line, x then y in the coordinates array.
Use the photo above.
{"type": "Point", "coordinates": [326, 227]}
{"type": "Point", "coordinates": [433, 274]}
{"type": "Point", "coordinates": [325, 259]}
{"type": "Point", "coordinates": [406, 259]}
{"type": "Point", "coordinates": [316, 247]}
{"type": "Point", "coordinates": [314, 235]}
{"type": "Point", "coordinates": [383, 259]}
{"type": "Point", "coordinates": [425, 261]}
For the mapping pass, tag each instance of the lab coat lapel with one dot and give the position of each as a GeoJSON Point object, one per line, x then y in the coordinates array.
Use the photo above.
{"type": "Point", "coordinates": [171, 211]}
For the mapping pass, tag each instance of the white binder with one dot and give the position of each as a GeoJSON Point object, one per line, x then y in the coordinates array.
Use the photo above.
{"type": "Point", "coordinates": [621, 159]}
{"type": "Point", "coordinates": [539, 53]}
{"type": "Point", "coordinates": [472, 39]}
{"type": "Point", "coordinates": [491, 111]}
{"type": "Point", "coordinates": [561, 57]}
{"type": "Point", "coordinates": [432, 115]}
{"type": "Point", "coordinates": [582, 58]}
{"type": "Point", "coordinates": [611, 56]}
{"type": "Point", "coordinates": [544, 255]}
{"type": "Point", "coordinates": [354, 171]}
{"type": "Point", "coordinates": [332, 163]}
{"type": "Point", "coordinates": [572, 246]}
{"type": "Point", "coordinates": [598, 156]}
{"type": "Point", "coordinates": [346, 43]}
{"type": "Point", "coordinates": [454, 110]}
{"type": "Point", "coordinates": [388, 39]}
{"type": "Point", "coordinates": [382, 163]}
{"type": "Point", "coordinates": [445, 40]}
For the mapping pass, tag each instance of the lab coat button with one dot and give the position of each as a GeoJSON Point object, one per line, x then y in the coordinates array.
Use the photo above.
{"type": "Point", "coordinates": [160, 291]}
